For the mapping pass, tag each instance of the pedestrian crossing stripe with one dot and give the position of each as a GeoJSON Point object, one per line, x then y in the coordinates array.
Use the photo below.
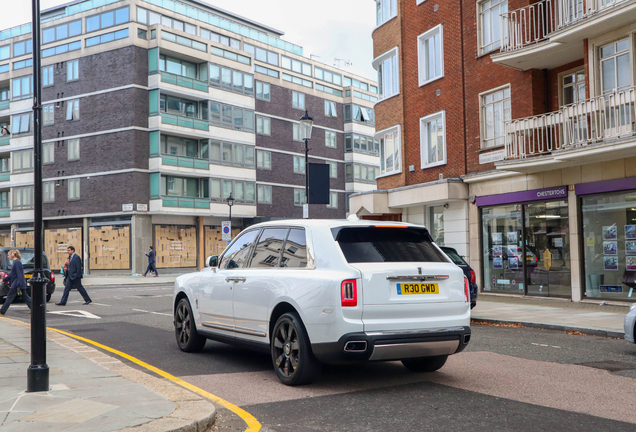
{"type": "Point", "coordinates": [76, 313]}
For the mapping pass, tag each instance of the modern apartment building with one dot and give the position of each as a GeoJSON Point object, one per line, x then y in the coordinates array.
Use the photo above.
{"type": "Point", "coordinates": [508, 129]}
{"type": "Point", "coordinates": [154, 113]}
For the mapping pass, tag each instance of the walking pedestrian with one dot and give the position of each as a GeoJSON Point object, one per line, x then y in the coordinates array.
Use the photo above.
{"type": "Point", "coordinates": [74, 278]}
{"type": "Point", "coordinates": [151, 262]}
{"type": "Point", "coordinates": [17, 281]}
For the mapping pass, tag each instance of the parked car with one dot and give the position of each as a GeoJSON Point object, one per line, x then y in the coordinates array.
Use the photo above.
{"type": "Point", "coordinates": [630, 324]}
{"type": "Point", "coordinates": [459, 261]}
{"type": "Point", "coordinates": [325, 291]}
{"type": "Point", "coordinates": [28, 262]}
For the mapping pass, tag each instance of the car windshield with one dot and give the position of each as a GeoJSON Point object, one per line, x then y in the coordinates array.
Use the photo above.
{"type": "Point", "coordinates": [374, 244]}
{"type": "Point", "coordinates": [28, 260]}
{"type": "Point", "coordinates": [454, 256]}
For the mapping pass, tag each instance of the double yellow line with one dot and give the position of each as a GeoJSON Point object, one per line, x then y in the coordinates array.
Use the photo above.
{"type": "Point", "coordinates": [252, 424]}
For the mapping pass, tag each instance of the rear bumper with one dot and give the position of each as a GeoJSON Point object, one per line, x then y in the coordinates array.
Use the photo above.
{"type": "Point", "coordinates": [393, 345]}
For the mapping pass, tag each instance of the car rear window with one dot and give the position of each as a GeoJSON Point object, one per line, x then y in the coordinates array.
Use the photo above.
{"type": "Point", "coordinates": [374, 244]}
{"type": "Point", "coordinates": [455, 258]}
{"type": "Point", "coordinates": [28, 260]}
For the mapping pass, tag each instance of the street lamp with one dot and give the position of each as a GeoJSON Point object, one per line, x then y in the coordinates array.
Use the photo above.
{"type": "Point", "coordinates": [306, 124]}
{"type": "Point", "coordinates": [230, 203]}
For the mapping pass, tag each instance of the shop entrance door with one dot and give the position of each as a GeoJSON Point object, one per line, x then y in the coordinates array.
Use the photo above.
{"type": "Point", "coordinates": [546, 249]}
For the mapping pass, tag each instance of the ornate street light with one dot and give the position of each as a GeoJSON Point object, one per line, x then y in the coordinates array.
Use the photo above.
{"type": "Point", "coordinates": [230, 203]}
{"type": "Point", "coordinates": [306, 124]}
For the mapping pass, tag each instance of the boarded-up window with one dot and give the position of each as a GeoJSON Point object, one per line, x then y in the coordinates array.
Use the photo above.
{"type": "Point", "coordinates": [109, 247]}
{"type": "Point", "coordinates": [24, 239]}
{"type": "Point", "coordinates": [56, 241]}
{"type": "Point", "coordinates": [176, 246]}
{"type": "Point", "coordinates": [5, 239]}
{"type": "Point", "coordinates": [213, 243]}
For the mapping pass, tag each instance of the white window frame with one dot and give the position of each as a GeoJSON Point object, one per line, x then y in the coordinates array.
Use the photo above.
{"type": "Point", "coordinates": [424, 139]}
{"type": "Point", "coordinates": [48, 115]}
{"type": "Point", "coordinates": [574, 71]}
{"type": "Point", "coordinates": [333, 200]}
{"type": "Point", "coordinates": [48, 192]}
{"type": "Point", "coordinates": [296, 132]}
{"type": "Point", "coordinates": [73, 188]}
{"type": "Point", "coordinates": [260, 161]}
{"type": "Point", "coordinates": [422, 54]}
{"type": "Point", "coordinates": [262, 85]}
{"type": "Point", "coordinates": [260, 192]}
{"type": "Point", "coordinates": [397, 129]}
{"type": "Point", "coordinates": [298, 100]}
{"type": "Point", "coordinates": [329, 138]}
{"type": "Point", "coordinates": [73, 149]}
{"type": "Point", "coordinates": [330, 109]}
{"type": "Point", "coordinates": [72, 110]}
{"type": "Point", "coordinates": [72, 70]}
{"type": "Point", "coordinates": [379, 61]}
{"type": "Point", "coordinates": [482, 117]}
{"type": "Point", "coordinates": [613, 57]}
{"type": "Point", "coordinates": [299, 167]}
{"type": "Point", "coordinates": [381, 20]}
{"type": "Point", "coordinates": [263, 122]}
{"type": "Point", "coordinates": [48, 76]}
{"type": "Point", "coordinates": [48, 153]}
{"type": "Point", "coordinates": [333, 169]}
{"type": "Point", "coordinates": [481, 50]}
{"type": "Point", "coordinates": [299, 193]}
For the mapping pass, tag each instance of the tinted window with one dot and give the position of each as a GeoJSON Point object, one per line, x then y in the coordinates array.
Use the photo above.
{"type": "Point", "coordinates": [28, 260]}
{"type": "Point", "coordinates": [362, 245]}
{"type": "Point", "coordinates": [267, 251]}
{"type": "Point", "coordinates": [455, 258]}
{"type": "Point", "coordinates": [295, 254]}
{"type": "Point", "coordinates": [238, 254]}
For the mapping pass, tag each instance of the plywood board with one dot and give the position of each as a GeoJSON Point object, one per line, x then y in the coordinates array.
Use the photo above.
{"type": "Point", "coordinates": [176, 246]}
{"type": "Point", "coordinates": [109, 247]}
{"type": "Point", "coordinates": [214, 245]}
{"type": "Point", "coordinates": [56, 242]}
{"type": "Point", "coordinates": [24, 239]}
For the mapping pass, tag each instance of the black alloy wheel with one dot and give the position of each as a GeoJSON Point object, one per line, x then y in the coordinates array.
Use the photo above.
{"type": "Point", "coordinates": [185, 329]}
{"type": "Point", "coordinates": [294, 363]}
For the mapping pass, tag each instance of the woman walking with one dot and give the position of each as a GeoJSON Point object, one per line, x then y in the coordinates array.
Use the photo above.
{"type": "Point", "coordinates": [17, 281]}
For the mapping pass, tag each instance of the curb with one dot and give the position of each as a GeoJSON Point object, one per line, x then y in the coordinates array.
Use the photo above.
{"type": "Point", "coordinates": [193, 413]}
{"type": "Point", "coordinates": [583, 330]}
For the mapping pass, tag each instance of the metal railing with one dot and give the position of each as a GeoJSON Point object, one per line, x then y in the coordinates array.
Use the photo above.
{"type": "Point", "coordinates": [182, 81]}
{"type": "Point", "coordinates": [593, 121]}
{"type": "Point", "coordinates": [189, 122]}
{"type": "Point", "coordinates": [536, 22]}
{"type": "Point", "coordinates": [171, 201]}
{"type": "Point", "coordinates": [185, 161]}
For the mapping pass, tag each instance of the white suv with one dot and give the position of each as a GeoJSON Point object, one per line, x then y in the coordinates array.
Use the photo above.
{"type": "Point", "coordinates": [327, 291]}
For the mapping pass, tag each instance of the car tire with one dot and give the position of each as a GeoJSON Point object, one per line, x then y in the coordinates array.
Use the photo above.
{"type": "Point", "coordinates": [48, 297]}
{"type": "Point", "coordinates": [292, 358]}
{"type": "Point", "coordinates": [425, 364]}
{"type": "Point", "coordinates": [185, 329]}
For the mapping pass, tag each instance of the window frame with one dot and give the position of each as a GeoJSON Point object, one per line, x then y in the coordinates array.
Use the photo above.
{"type": "Point", "coordinates": [482, 117]}
{"type": "Point", "coordinates": [381, 136]}
{"type": "Point", "coordinates": [70, 157]}
{"type": "Point", "coordinates": [331, 109]}
{"type": "Point", "coordinates": [15, 191]}
{"type": "Point", "coordinates": [71, 73]}
{"type": "Point", "coordinates": [296, 132]}
{"type": "Point", "coordinates": [234, 148]}
{"type": "Point", "coordinates": [48, 196]}
{"type": "Point", "coordinates": [297, 97]}
{"type": "Point", "coordinates": [298, 168]}
{"type": "Point", "coordinates": [574, 71]}
{"type": "Point", "coordinates": [72, 110]}
{"type": "Point", "coordinates": [600, 60]}
{"type": "Point", "coordinates": [333, 164]}
{"type": "Point", "coordinates": [46, 151]}
{"type": "Point", "coordinates": [333, 204]}
{"type": "Point", "coordinates": [220, 122]}
{"type": "Point", "coordinates": [14, 159]}
{"type": "Point", "coordinates": [263, 166]}
{"type": "Point", "coordinates": [380, 20]}
{"type": "Point", "coordinates": [259, 193]}
{"type": "Point", "coordinates": [20, 122]}
{"type": "Point", "coordinates": [481, 50]}
{"type": "Point", "coordinates": [48, 72]}
{"type": "Point", "coordinates": [21, 96]}
{"type": "Point", "coordinates": [378, 62]}
{"type": "Point", "coordinates": [74, 186]}
{"type": "Point", "coordinates": [424, 144]}
{"type": "Point", "coordinates": [48, 109]}
{"type": "Point", "coordinates": [422, 54]}
{"type": "Point", "coordinates": [335, 139]}
{"type": "Point", "coordinates": [262, 93]}
{"type": "Point", "coordinates": [298, 193]}
{"type": "Point", "coordinates": [263, 122]}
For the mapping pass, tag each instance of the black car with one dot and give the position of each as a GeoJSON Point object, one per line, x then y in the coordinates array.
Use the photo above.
{"type": "Point", "coordinates": [468, 272]}
{"type": "Point", "coordinates": [28, 262]}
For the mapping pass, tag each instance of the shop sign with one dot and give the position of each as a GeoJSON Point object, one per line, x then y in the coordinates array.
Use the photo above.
{"type": "Point", "coordinates": [522, 196]}
{"type": "Point", "coordinates": [612, 288]}
{"type": "Point", "coordinates": [126, 207]}
{"type": "Point", "coordinates": [142, 207]}
{"type": "Point", "coordinates": [493, 156]}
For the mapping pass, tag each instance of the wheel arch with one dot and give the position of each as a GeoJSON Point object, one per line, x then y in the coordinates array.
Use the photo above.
{"type": "Point", "coordinates": [180, 295]}
{"type": "Point", "coordinates": [280, 309]}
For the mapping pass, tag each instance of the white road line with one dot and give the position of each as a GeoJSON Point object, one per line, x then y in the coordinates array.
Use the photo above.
{"type": "Point", "coordinates": [100, 304]}
{"type": "Point", "coordinates": [151, 312]}
{"type": "Point", "coordinates": [544, 345]}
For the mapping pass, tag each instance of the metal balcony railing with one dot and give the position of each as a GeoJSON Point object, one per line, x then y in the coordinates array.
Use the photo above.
{"type": "Point", "coordinates": [185, 161]}
{"type": "Point", "coordinates": [189, 122]}
{"type": "Point", "coordinates": [182, 81]}
{"type": "Point", "coordinates": [595, 120]}
{"type": "Point", "coordinates": [186, 202]}
{"type": "Point", "coordinates": [536, 22]}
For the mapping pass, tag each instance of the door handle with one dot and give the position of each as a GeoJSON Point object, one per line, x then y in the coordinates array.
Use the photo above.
{"type": "Point", "coordinates": [235, 279]}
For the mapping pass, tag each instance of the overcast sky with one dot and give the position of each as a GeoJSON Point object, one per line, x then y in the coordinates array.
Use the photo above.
{"type": "Point", "coordinates": [329, 28]}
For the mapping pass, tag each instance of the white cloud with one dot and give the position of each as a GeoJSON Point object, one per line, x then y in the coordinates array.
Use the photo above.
{"type": "Point", "coordinates": [329, 28]}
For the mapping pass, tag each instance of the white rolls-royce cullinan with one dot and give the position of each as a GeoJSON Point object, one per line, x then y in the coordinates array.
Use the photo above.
{"type": "Point", "coordinates": [328, 291]}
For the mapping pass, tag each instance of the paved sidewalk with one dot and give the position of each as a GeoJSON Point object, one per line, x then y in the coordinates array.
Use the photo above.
{"type": "Point", "coordinates": [588, 318]}
{"type": "Point", "coordinates": [119, 280]}
{"type": "Point", "coordinates": [90, 391]}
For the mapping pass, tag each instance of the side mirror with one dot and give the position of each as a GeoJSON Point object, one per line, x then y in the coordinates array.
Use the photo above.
{"type": "Point", "coordinates": [212, 261]}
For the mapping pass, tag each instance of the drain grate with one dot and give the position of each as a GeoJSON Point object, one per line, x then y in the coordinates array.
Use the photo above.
{"type": "Point", "coordinates": [609, 365]}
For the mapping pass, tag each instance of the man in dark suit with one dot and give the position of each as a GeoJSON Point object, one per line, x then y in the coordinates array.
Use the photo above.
{"type": "Point", "coordinates": [74, 278]}
{"type": "Point", "coordinates": [151, 262]}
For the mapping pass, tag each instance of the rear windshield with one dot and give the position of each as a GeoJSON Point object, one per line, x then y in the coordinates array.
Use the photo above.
{"type": "Point", "coordinates": [28, 260]}
{"type": "Point", "coordinates": [372, 244]}
{"type": "Point", "coordinates": [455, 258]}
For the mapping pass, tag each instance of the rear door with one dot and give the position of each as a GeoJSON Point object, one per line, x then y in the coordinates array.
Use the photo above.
{"type": "Point", "coordinates": [407, 282]}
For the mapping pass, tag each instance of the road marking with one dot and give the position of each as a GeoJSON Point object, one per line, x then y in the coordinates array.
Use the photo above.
{"type": "Point", "coordinates": [99, 304]}
{"type": "Point", "coordinates": [249, 419]}
{"type": "Point", "coordinates": [544, 345]}
{"type": "Point", "coordinates": [76, 314]}
{"type": "Point", "coordinates": [156, 313]}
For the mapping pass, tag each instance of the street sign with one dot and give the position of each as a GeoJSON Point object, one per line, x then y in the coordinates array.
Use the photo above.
{"type": "Point", "coordinates": [226, 231]}
{"type": "Point", "coordinates": [305, 211]}
{"type": "Point", "coordinates": [126, 207]}
{"type": "Point", "coordinates": [142, 207]}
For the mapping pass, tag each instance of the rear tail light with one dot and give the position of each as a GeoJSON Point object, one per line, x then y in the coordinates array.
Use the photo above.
{"type": "Point", "coordinates": [349, 293]}
{"type": "Point", "coordinates": [473, 279]}
{"type": "Point", "coordinates": [52, 276]}
{"type": "Point", "coordinates": [467, 288]}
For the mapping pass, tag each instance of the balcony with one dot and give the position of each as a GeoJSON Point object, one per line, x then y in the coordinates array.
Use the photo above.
{"type": "Point", "coordinates": [5, 211]}
{"type": "Point", "coordinates": [183, 202]}
{"type": "Point", "coordinates": [5, 176]}
{"type": "Point", "coordinates": [4, 105]}
{"type": "Point", "coordinates": [550, 33]}
{"type": "Point", "coordinates": [594, 130]}
{"type": "Point", "coordinates": [182, 121]}
{"type": "Point", "coordinates": [5, 140]}
{"type": "Point", "coordinates": [182, 81]}
{"type": "Point", "coordinates": [182, 161]}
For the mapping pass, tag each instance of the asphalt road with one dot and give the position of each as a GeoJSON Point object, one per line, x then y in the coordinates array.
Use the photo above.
{"type": "Point", "coordinates": [508, 379]}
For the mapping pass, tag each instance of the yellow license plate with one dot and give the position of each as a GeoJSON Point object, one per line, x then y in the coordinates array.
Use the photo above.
{"type": "Point", "coordinates": [27, 276]}
{"type": "Point", "coordinates": [417, 288]}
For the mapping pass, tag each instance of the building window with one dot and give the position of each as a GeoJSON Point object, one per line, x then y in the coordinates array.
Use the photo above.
{"type": "Point", "coordinates": [48, 153]}
{"type": "Point", "coordinates": [4, 199]}
{"type": "Point", "coordinates": [616, 70]}
{"type": "Point", "coordinates": [230, 79]}
{"type": "Point", "coordinates": [5, 164]}
{"type": "Point", "coordinates": [573, 87]}
{"type": "Point", "coordinates": [388, 73]}
{"type": "Point", "coordinates": [48, 114]}
{"type": "Point", "coordinates": [495, 112]}
{"type": "Point", "coordinates": [264, 194]}
{"type": "Point", "coordinates": [433, 140]}
{"type": "Point", "coordinates": [120, 34]}
{"type": "Point", "coordinates": [385, 10]}
{"type": "Point", "coordinates": [299, 197]}
{"type": "Point", "coordinates": [437, 224]}
{"type": "Point", "coordinates": [188, 108]}
{"type": "Point", "coordinates": [359, 114]}
{"type": "Point", "coordinates": [62, 31]}
{"type": "Point", "coordinates": [333, 169]}
{"type": "Point", "coordinates": [72, 70]}
{"type": "Point", "coordinates": [296, 132]}
{"type": "Point", "coordinates": [263, 159]}
{"type": "Point", "coordinates": [299, 165]}
{"type": "Point", "coordinates": [263, 125]}
{"type": "Point", "coordinates": [22, 87]}
{"type": "Point", "coordinates": [390, 159]}
{"type": "Point", "coordinates": [5, 52]}
{"type": "Point", "coordinates": [330, 109]}
{"type": "Point", "coordinates": [177, 146]}
{"type": "Point", "coordinates": [22, 198]}
{"type": "Point", "coordinates": [239, 155]}
{"type": "Point", "coordinates": [330, 139]}
{"type": "Point", "coordinates": [48, 192]}
{"type": "Point", "coordinates": [22, 161]}
{"type": "Point", "coordinates": [490, 30]}
{"type": "Point", "coordinates": [261, 54]}
{"type": "Point", "coordinates": [325, 75]}
{"type": "Point", "coordinates": [242, 192]}
{"type": "Point", "coordinates": [22, 48]}
{"type": "Point", "coordinates": [179, 67]}
{"type": "Point", "coordinates": [73, 149]}
{"type": "Point", "coordinates": [47, 76]}
{"type": "Point", "coordinates": [108, 19]}
{"type": "Point", "coordinates": [5, 94]}
{"type": "Point", "coordinates": [431, 55]}
{"type": "Point", "coordinates": [360, 173]}
{"type": "Point", "coordinates": [262, 91]}
{"type": "Point", "coordinates": [231, 117]}
{"type": "Point", "coordinates": [73, 189]}
{"type": "Point", "coordinates": [218, 38]}
{"type": "Point", "coordinates": [295, 65]}
{"type": "Point", "coordinates": [142, 34]}
{"type": "Point", "coordinates": [333, 200]}
{"type": "Point", "coordinates": [72, 110]}
{"type": "Point", "coordinates": [298, 100]}
{"type": "Point", "coordinates": [21, 124]}
{"type": "Point", "coordinates": [362, 144]}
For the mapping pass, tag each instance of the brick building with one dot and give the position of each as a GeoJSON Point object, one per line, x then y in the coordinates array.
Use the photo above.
{"type": "Point", "coordinates": [507, 127]}
{"type": "Point", "coordinates": [155, 112]}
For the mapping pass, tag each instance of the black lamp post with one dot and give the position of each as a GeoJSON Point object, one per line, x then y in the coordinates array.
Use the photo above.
{"type": "Point", "coordinates": [306, 124]}
{"type": "Point", "coordinates": [230, 203]}
{"type": "Point", "coordinates": [38, 371]}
